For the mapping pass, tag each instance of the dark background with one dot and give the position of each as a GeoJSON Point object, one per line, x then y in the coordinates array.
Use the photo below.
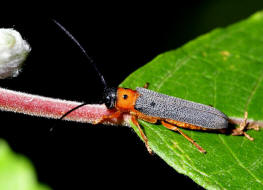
{"type": "Point", "coordinates": [120, 38]}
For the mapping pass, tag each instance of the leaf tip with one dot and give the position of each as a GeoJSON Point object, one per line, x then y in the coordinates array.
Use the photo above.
{"type": "Point", "coordinates": [257, 16]}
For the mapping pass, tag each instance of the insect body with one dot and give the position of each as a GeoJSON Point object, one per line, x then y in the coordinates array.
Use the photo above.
{"type": "Point", "coordinates": [155, 107]}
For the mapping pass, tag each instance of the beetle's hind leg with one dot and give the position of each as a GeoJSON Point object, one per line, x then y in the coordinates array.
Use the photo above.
{"type": "Point", "coordinates": [174, 128]}
{"type": "Point", "coordinates": [136, 123]}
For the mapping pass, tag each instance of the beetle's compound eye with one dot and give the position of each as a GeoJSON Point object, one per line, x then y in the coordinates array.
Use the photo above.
{"type": "Point", "coordinates": [125, 96]}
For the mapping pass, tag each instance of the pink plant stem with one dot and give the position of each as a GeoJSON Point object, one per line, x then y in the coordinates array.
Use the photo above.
{"type": "Point", "coordinates": [54, 108]}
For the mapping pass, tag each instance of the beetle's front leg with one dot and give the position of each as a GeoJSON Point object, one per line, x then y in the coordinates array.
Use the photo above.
{"type": "Point", "coordinates": [115, 114]}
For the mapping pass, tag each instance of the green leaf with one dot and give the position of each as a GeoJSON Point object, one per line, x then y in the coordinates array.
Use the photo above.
{"type": "Point", "coordinates": [16, 172]}
{"type": "Point", "coordinates": [223, 68]}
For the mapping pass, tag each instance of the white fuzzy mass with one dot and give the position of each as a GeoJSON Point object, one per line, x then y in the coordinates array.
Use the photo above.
{"type": "Point", "coordinates": [13, 52]}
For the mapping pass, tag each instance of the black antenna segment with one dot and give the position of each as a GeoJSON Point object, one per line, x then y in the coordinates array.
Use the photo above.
{"type": "Point", "coordinates": [87, 56]}
{"type": "Point", "coordinates": [73, 109]}
{"type": "Point", "coordinates": [83, 51]}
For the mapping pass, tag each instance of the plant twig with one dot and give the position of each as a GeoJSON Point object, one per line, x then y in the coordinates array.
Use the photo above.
{"type": "Point", "coordinates": [54, 108]}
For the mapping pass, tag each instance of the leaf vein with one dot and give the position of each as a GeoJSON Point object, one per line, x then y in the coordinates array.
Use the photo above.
{"type": "Point", "coordinates": [258, 82]}
{"type": "Point", "coordinates": [239, 162]}
{"type": "Point", "coordinates": [186, 163]}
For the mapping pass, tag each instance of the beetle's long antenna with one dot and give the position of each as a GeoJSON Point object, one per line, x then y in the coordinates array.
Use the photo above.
{"type": "Point", "coordinates": [68, 112]}
{"type": "Point", "coordinates": [73, 109]}
{"type": "Point", "coordinates": [87, 56]}
{"type": "Point", "coordinates": [83, 51]}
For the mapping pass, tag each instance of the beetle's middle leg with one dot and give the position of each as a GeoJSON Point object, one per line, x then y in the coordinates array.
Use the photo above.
{"type": "Point", "coordinates": [146, 85]}
{"type": "Point", "coordinates": [174, 128]}
{"type": "Point", "coordinates": [136, 123]}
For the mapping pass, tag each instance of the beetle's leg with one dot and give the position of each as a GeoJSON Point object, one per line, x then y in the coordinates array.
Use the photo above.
{"type": "Point", "coordinates": [254, 126]}
{"type": "Point", "coordinates": [136, 123]}
{"type": "Point", "coordinates": [174, 128]}
{"type": "Point", "coordinates": [240, 130]}
{"type": "Point", "coordinates": [146, 85]}
{"type": "Point", "coordinates": [105, 117]}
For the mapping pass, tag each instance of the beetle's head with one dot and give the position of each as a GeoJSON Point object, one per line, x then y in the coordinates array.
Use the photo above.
{"type": "Point", "coordinates": [110, 97]}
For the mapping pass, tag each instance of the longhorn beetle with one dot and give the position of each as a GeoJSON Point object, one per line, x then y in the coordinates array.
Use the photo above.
{"type": "Point", "coordinates": [154, 107]}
